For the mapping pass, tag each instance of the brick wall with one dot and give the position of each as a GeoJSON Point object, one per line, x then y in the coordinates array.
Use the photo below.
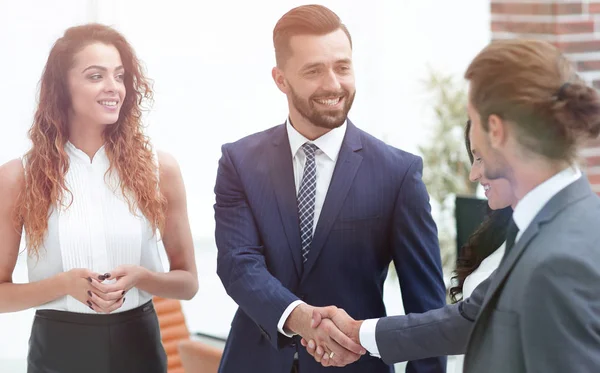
{"type": "Point", "coordinates": [574, 27]}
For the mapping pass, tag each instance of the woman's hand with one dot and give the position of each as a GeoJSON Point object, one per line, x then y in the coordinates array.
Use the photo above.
{"type": "Point", "coordinates": [111, 296]}
{"type": "Point", "coordinates": [80, 285]}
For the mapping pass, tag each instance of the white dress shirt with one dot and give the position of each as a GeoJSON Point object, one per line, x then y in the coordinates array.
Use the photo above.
{"type": "Point", "coordinates": [525, 211]}
{"type": "Point", "coordinates": [325, 158]}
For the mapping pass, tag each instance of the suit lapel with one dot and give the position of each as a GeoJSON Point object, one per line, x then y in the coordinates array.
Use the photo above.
{"type": "Point", "coordinates": [572, 193]}
{"type": "Point", "coordinates": [345, 170]}
{"type": "Point", "coordinates": [282, 178]}
{"type": "Point", "coordinates": [510, 260]}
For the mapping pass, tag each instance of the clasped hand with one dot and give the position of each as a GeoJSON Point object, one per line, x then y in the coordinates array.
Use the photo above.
{"type": "Point", "coordinates": [341, 337]}
{"type": "Point", "coordinates": [90, 288]}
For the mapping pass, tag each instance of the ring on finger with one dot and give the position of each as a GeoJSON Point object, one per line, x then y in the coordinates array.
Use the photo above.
{"type": "Point", "coordinates": [331, 354]}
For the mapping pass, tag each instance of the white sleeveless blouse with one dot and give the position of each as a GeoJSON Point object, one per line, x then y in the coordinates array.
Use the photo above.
{"type": "Point", "coordinates": [97, 231]}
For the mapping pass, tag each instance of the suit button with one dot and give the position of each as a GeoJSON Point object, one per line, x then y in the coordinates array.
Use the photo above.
{"type": "Point", "coordinates": [293, 344]}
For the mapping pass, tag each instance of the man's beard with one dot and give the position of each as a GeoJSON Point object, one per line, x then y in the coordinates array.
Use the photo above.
{"type": "Point", "coordinates": [328, 119]}
{"type": "Point", "coordinates": [496, 166]}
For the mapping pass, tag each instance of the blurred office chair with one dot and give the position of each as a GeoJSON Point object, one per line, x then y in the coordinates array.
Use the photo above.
{"type": "Point", "coordinates": [183, 354]}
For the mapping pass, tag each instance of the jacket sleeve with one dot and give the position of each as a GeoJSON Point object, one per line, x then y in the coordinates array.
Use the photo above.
{"type": "Point", "coordinates": [241, 263]}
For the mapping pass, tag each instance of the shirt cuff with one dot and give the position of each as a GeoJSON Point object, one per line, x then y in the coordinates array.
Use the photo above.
{"type": "Point", "coordinates": [285, 316]}
{"type": "Point", "coordinates": [366, 335]}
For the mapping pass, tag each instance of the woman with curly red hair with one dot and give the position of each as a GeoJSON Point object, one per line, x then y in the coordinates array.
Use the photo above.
{"type": "Point", "coordinates": [92, 197]}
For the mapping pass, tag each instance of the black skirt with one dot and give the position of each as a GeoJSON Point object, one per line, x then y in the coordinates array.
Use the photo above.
{"type": "Point", "coordinates": [68, 342]}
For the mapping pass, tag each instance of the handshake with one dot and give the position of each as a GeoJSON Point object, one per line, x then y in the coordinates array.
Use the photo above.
{"type": "Point", "coordinates": [332, 337]}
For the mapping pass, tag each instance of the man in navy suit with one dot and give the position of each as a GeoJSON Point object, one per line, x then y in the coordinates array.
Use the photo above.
{"type": "Point", "coordinates": [310, 213]}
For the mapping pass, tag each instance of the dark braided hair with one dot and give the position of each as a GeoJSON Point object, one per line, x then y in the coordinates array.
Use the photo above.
{"type": "Point", "coordinates": [488, 237]}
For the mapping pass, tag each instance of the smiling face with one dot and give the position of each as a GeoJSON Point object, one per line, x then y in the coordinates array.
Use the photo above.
{"type": "Point", "coordinates": [96, 86]}
{"type": "Point", "coordinates": [487, 143]}
{"type": "Point", "coordinates": [318, 78]}
{"type": "Point", "coordinates": [498, 191]}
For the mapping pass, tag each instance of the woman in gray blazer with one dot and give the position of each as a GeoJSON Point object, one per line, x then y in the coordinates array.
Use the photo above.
{"type": "Point", "coordinates": [481, 254]}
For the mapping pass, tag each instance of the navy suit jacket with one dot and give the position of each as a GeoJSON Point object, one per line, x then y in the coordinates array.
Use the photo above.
{"type": "Point", "coordinates": [376, 210]}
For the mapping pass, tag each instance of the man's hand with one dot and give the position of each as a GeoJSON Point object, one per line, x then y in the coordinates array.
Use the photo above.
{"type": "Point", "coordinates": [324, 316]}
{"type": "Point", "coordinates": [336, 347]}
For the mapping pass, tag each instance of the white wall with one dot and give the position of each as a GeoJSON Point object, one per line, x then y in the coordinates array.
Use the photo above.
{"type": "Point", "coordinates": [211, 64]}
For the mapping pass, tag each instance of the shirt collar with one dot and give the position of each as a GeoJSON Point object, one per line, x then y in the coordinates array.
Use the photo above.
{"type": "Point", "coordinates": [330, 143]}
{"type": "Point", "coordinates": [533, 202]}
{"type": "Point", "coordinates": [76, 153]}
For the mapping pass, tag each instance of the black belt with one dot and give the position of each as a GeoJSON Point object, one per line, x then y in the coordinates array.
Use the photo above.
{"type": "Point", "coordinates": [95, 319]}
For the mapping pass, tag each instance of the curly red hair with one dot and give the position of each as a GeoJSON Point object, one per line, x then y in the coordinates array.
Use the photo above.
{"type": "Point", "coordinates": [128, 149]}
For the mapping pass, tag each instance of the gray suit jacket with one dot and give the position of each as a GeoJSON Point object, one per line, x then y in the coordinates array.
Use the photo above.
{"type": "Point", "coordinates": [539, 312]}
